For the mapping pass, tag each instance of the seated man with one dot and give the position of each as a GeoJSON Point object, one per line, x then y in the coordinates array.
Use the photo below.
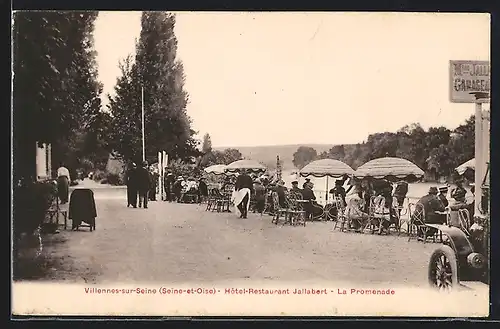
{"type": "Point", "coordinates": [295, 187]}
{"type": "Point", "coordinates": [339, 191]}
{"type": "Point", "coordinates": [431, 204]}
{"type": "Point", "coordinates": [191, 189]}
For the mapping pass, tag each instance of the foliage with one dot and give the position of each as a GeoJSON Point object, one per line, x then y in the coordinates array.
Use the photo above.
{"type": "Point", "coordinates": [303, 156]}
{"type": "Point", "coordinates": [31, 202]}
{"type": "Point", "coordinates": [160, 75]}
{"type": "Point", "coordinates": [227, 156]}
{"type": "Point", "coordinates": [437, 150]}
{"type": "Point", "coordinates": [207, 144]}
{"type": "Point", "coordinates": [56, 92]}
{"type": "Point", "coordinates": [186, 170]}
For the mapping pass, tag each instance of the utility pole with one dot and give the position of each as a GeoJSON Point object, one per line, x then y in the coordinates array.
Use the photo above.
{"type": "Point", "coordinates": [143, 127]}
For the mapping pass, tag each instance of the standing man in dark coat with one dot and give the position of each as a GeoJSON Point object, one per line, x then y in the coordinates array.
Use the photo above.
{"type": "Point", "coordinates": [280, 190]}
{"type": "Point", "coordinates": [131, 179]}
{"type": "Point", "coordinates": [202, 190]}
{"type": "Point", "coordinates": [244, 181]}
{"type": "Point", "coordinates": [143, 184]}
{"type": "Point", "coordinates": [154, 185]}
{"type": "Point", "coordinates": [400, 192]}
{"type": "Point", "coordinates": [168, 182]}
{"type": "Point", "coordinates": [308, 195]}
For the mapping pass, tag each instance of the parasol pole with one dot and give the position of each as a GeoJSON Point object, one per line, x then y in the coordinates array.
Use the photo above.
{"type": "Point", "coordinates": [326, 198]}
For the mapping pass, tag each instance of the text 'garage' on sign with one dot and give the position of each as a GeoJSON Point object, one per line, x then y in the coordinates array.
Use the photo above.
{"type": "Point", "coordinates": [468, 79]}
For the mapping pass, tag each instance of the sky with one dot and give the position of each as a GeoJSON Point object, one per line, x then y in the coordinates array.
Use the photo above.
{"type": "Point", "coordinates": [309, 78]}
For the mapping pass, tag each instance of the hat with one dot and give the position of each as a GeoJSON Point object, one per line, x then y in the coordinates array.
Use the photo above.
{"type": "Point", "coordinates": [295, 182]}
{"type": "Point", "coordinates": [257, 181]}
{"type": "Point", "coordinates": [443, 188]}
{"type": "Point", "coordinates": [180, 178]}
{"type": "Point", "coordinates": [338, 182]}
{"type": "Point", "coordinates": [170, 174]}
{"type": "Point", "coordinates": [433, 190]}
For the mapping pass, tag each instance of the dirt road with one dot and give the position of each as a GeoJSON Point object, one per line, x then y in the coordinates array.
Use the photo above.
{"type": "Point", "coordinates": [183, 243]}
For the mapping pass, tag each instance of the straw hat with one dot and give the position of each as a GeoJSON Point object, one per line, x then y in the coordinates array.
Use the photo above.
{"type": "Point", "coordinates": [443, 189]}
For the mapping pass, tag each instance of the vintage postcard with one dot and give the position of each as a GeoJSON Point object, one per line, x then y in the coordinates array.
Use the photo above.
{"type": "Point", "coordinates": [250, 164]}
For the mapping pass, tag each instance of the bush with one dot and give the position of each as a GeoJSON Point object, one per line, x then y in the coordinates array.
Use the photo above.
{"type": "Point", "coordinates": [31, 203]}
{"type": "Point", "coordinates": [99, 175]}
{"type": "Point", "coordinates": [112, 179]}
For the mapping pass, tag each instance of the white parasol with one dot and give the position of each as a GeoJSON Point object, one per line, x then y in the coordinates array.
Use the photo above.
{"type": "Point", "coordinates": [215, 169]}
{"type": "Point", "coordinates": [471, 164]}
{"type": "Point", "coordinates": [250, 165]}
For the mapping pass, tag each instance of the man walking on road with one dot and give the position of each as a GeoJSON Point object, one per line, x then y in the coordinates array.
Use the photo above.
{"type": "Point", "coordinates": [244, 181]}
{"type": "Point", "coordinates": [143, 184]}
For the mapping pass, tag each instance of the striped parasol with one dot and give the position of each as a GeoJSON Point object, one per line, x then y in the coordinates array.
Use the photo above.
{"type": "Point", "coordinates": [250, 165]}
{"type": "Point", "coordinates": [391, 169]}
{"type": "Point", "coordinates": [471, 165]}
{"type": "Point", "coordinates": [326, 167]}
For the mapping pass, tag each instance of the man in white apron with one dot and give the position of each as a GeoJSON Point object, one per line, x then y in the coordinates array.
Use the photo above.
{"type": "Point", "coordinates": [243, 190]}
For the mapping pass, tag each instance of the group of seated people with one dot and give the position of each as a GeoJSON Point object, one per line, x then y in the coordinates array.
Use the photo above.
{"type": "Point", "coordinates": [189, 190]}
{"type": "Point", "coordinates": [435, 205]}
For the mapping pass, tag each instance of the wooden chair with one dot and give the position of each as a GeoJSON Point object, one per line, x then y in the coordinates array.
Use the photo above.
{"type": "Point", "coordinates": [400, 211]}
{"type": "Point", "coordinates": [404, 218]}
{"type": "Point", "coordinates": [55, 211]}
{"type": "Point", "coordinates": [377, 214]}
{"type": "Point", "coordinates": [342, 219]}
{"type": "Point", "coordinates": [417, 224]}
{"type": "Point", "coordinates": [268, 204]}
{"type": "Point", "coordinates": [296, 211]}
{"type": "Point", "coordinates": [212, 198]}
{"type": "Point", "coordinates": [278, 210]}
{"type": "Point", "coordinates": [465, 222]}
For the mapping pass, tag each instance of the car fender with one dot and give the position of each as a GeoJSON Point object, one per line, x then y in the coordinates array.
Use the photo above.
{"type": "Point", "coordinates": [458, 240]}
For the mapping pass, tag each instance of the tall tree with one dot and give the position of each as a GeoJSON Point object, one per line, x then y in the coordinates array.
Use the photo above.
{"type": "Point", "coordinates": [56, 92]}
{"type": "Point", "coordinates": [207, 144]}
{"type": "Point", "coordinates": [161, 76]}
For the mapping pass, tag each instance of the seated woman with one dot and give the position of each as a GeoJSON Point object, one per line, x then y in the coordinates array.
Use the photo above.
{"type": "Point", "coordinates": [354, 212]}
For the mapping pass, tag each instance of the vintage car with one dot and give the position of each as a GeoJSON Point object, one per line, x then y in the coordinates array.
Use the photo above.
{"type": "Point", "coordinates": [464, 253]}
